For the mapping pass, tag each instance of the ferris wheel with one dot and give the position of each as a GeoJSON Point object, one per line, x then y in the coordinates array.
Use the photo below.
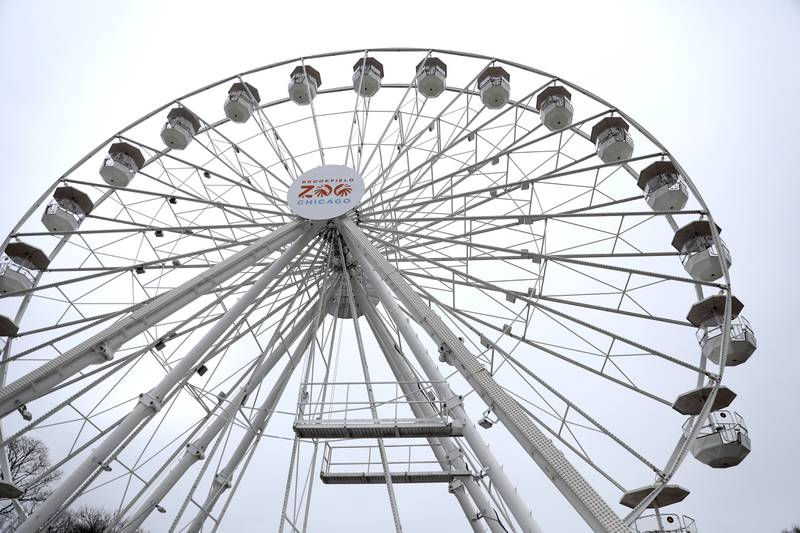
{"type": "Point", "coordinates": [363, 268]}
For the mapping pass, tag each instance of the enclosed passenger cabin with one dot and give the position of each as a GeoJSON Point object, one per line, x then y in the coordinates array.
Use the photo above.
{"type": "Point", "coordinates": [431, 77]}
{"type": "Point", "coordinates": [67, 209]}
{"type": "Point", "coordinates": [241, 102]}
{"type": "Point", "coordinates": [494, 83]}
{"type": "Point", "coordinates": [700, 256]}
{"type": "Point", "coordinates": [664, 523]}
{"type": "Point", "coordinates": [723, 441]}
{"type": "Point", "coordinates": [664, 189]}
{"type": "Point", "coordinates": [612, 140]}
{"type": "Point", "coordinates": [21, 267]}
{"type": "Point", "coordinates": [555, 107]}
{"type": "Point", "coordinates": [121, 164]}
{"type": "Point", "coordinates": [367, 76]}
{"type": "Point", "coordinates": [741, 346]}
{"type": "Point", "coordinates": [303, 85]}
{"type": "Point", "coordinates": [181, 127]}
{"type": "Point", "coordinates": [709, 317]}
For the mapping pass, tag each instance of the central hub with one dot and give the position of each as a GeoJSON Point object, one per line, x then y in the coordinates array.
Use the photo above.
{"type": "Point", "coordinates": [325, 192]}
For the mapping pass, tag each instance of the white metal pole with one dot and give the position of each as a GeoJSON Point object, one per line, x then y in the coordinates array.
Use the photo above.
{"type": "Point", "coordinates": [454, 406]}
{"type": "Point", "coordinates": [195, 451]}
{"type": "Point", "coordinates": [101, 347]}
{"type": "Point", "coordinates": [578, 492]}
{"type": "Point", "coordinates": [150, 402]}
{"type": "Point", "coordinates": [222, 480]}
{"type": "Point", "coordinates": [363, 356]}
{"type": "Point", "coordinates": [445, 449]}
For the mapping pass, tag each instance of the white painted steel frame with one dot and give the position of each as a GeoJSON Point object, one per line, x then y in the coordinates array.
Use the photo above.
{"type": "Point", "coordinates": [714, 379]}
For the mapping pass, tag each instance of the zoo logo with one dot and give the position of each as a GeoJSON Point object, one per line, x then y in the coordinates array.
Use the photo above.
{"type": "Point", "coordinates": [321, 191]}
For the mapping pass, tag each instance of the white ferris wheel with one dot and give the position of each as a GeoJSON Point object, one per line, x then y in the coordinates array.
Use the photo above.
{"type": "Point", "coordinates": [365, 280]}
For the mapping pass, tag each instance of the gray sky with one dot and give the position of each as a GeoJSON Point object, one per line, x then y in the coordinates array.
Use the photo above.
{"type": "Point", "coordinates": [714, 81]}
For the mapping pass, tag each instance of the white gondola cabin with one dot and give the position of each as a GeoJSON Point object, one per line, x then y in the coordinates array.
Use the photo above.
{"type": "Point", "coordinates": [241, 102]}
{"type": "Point", "coordinates": [21, 266]}
{"type": "Point", "coordinates": [121, 164]}
{"type": "Point", "coordinates": [612, 140]}
{"type": "Point", "coordinates": [181, 127]}
{"type": "Point", "coordinates": [67, 209]}
{"type": "Point", "coordinates": [494, 84]}
{"type": "Point", "coordinates": [367, 76]}
{"type": "Point", "coordinates": [701, 257]}
{"type": "Point", "coordinates": [431, 77]}
{"type": "Point", "coordinates": [663, 187]}
{"type": "Point", "coordinates": [723, 441]}
{"type": "Point", "coordinates": [303, 84]}
{"type": "Point", "coordinates": [708, 315]}
{"type": "Point", "coordinates": [555, 107]}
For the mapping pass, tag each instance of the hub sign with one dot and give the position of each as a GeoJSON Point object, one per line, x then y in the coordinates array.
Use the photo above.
{"type": "Point", "coordinates": [325, 192]}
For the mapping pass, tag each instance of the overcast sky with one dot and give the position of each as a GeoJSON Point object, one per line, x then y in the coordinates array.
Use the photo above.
{"type": "Point", "coordinates": [716, 82]}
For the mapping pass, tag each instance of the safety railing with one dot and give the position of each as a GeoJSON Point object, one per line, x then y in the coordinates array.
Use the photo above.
{"type": "Point", "coordinates": [348, 401]}
{"type": "Point", "coordinates": [727, 424]}
{"type": "Point", "coordinates": [740, 329]}
{"type": "Point", "coordinates": [339, 458]}
{"type": "Point", "coordinates": [664, 523]}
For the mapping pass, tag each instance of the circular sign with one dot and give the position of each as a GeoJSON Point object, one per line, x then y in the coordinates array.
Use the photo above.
{"type": "Point", "coordinates": [325, 192]}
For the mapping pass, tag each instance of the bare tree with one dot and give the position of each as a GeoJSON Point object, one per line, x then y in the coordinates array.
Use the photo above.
{"type": "Point", "coordinates": [85, 520]}
{"type": "Point", "coordinates": [29, 461]}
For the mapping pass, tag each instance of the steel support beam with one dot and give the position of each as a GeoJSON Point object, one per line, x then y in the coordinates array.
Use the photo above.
{"type": "Point", "coordinates": [452, 400]}
{"type": "Point", "coordinates": [446, 449]}
{"type": "Point", "coordinates": [224, 478]}
{"type": "Point", "coordinates": [382, 275]}
{"type": "Point", "coordinates": [151, 402]}
{"type": "Point", "coordinates": [100, 347]}
{"type": "Point", "coordinates": [195, 450]}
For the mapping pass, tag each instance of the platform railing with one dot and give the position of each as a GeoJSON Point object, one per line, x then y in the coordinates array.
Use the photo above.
{"type": "Point", "coordinates": [366, 458]}
{"type": "Point", "coordinates": [348, 401]}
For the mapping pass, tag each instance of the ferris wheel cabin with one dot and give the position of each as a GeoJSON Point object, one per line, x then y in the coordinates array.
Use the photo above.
{"type": "Point", "coordinates": [367, 76]}
{"type": "Point", "coordinates": [663, 187]}
{"type": "Point", "coordinates": [494, 84]}
{"type": "Point", "coordinates": [612, 140]}
{"type": "Point", "coordinates": [723, 441]}
{"type": "Point", "coordinates": [66, 210]}
{"type": "Point", "coordinates": [431, 77]}
{"type": "Point", "coordinates": [700, 256]}
{"type": "Point", "coordinates": [181, 127]}
{"type": "Point", "coordinates": [303, 84]}
{"type": "Point", "coordinates": [21, 267]}
{"type": "Point", "coordinates": [555, 107]}
{"type": "Point", "coordinates": [708, 315]}
{"type": "Point", "coordinates": [241, 102]}
{"type": "Point", "coordinates": [121, 164]}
